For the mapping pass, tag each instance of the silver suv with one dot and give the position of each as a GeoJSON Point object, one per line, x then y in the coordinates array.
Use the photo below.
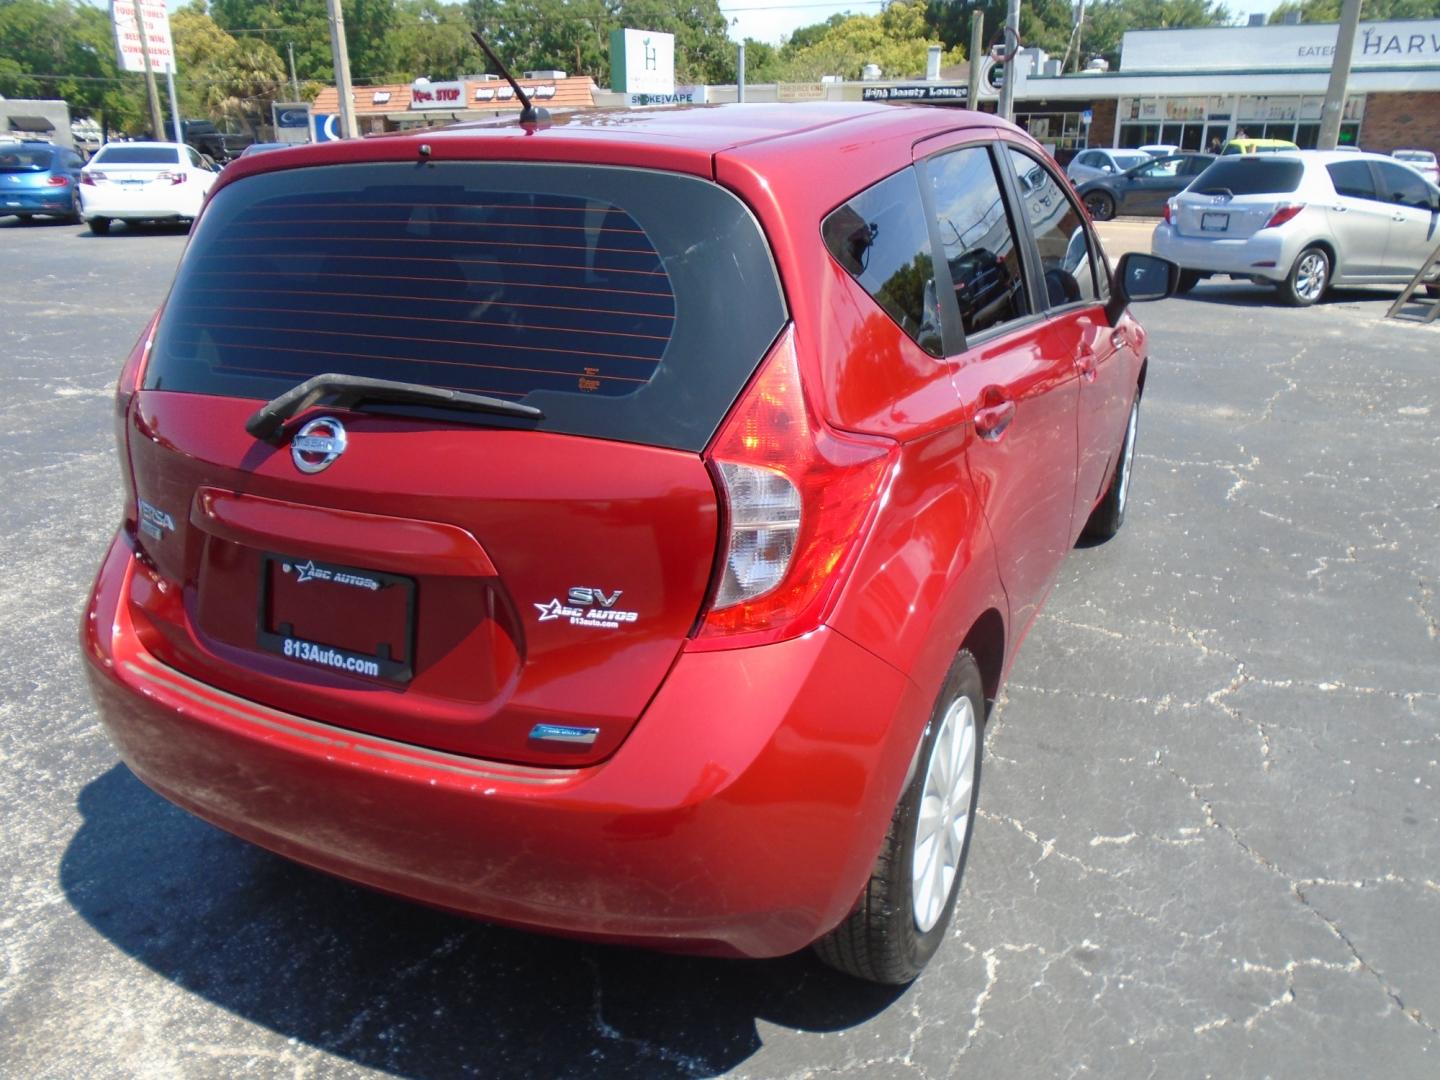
{"type": "Point", "coordinates": [1302, 221]}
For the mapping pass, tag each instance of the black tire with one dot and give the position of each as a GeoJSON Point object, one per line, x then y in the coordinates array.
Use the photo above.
{"type": "Point", "coordinates": [1308, 278]}
{"type": "Point", "coordinates": [1101, 205]}
{"type": "Point", "coordinates": [1109, 515]}
{"type": "Point", "coordinates": [1188, 280]}
{"type": "Point", "coordinates": [99, 225]}
{"type": "Point", "coordinates": [25, 219]}
{"type": "Point", "coordinates": [74, 217]}
{"type": "Point", "coordinates": [880, 940]}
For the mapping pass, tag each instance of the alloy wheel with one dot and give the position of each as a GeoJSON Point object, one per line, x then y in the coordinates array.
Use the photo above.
{"type": "Point", "coordinates": [1311, 275]}
{"type": "Point", "coordinates": [944, 822]}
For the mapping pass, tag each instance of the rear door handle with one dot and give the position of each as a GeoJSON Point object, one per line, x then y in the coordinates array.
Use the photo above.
{"type": "Point", "coordinates": [992, 420]}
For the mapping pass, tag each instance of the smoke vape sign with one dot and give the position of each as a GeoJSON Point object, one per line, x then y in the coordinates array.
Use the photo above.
{"type": "Point", "coordinates": [642, 62]}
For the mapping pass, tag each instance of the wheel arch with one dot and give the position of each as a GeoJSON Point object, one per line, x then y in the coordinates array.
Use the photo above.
{"type": "Point", "coordinates": [985, 640]}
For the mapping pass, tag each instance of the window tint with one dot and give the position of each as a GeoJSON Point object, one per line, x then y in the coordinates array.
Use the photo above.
{"type": "Point", "coordinates": [1352, 178]}
{"type": "Point", "coordinates": [606, 297]}
{"type": "Point", "coordinates": [1404, 186]}
{"type": "Point", "coordinates": [1250, 176]}
{"type": "Point", "coordinates": [19, 158]}
{"type": "Point", "coordinates": [881, 239]}
{"type": "Point", "coordinates": [1196, 164]}
{"type": "Point", "coordinates": [120, 154]}
{"type": "Point", "coordinates": [1163, 169]}
{"type": "Point", "coordinates": [1059, 229]}
{"type": "Point", "coordinates": [1128, 159]}
{"type": "Point", "coordinates": [978, 238]}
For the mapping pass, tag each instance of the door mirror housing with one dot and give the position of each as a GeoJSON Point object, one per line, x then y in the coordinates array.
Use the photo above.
{"type": "Point", "coordinates": [1140, 277]}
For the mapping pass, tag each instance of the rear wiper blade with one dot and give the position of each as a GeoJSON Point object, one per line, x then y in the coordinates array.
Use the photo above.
{"type": "Point", "coordinates": [351, 391]}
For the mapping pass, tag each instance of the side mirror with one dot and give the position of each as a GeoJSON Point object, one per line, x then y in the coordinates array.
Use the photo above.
{"type": "Point", "coordinates": [1140, 277]}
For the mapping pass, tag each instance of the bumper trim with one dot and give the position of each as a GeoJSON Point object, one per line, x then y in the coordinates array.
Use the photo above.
{"type": "Point", "coordinates": [172, 681]}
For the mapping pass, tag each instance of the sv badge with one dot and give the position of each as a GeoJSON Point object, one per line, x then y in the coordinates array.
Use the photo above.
{"type": "Point", "coordinates": [590, 597]}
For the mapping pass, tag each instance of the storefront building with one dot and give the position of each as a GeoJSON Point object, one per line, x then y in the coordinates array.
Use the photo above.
{"type": "Point", "coordinates": [425, 104]}
{"type": "Point", "coordinates": [1198, 88]}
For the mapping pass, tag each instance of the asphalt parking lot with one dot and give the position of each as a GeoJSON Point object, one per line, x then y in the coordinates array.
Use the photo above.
{"type": "Point", "coordinates": [1210, 834]}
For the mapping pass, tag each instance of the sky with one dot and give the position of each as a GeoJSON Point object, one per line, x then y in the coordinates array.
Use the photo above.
{"type": "Point", "coordinates": [769, 22]}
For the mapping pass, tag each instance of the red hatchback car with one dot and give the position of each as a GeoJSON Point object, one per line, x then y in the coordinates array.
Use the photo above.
{"type": "Point", "coordinates": [617, 528]}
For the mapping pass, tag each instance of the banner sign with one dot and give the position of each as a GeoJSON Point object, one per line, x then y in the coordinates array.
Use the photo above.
{"type": "Point", "coordinates": [642, 62]}
{"type": "Point", "coordinates": [292, 121]}
{"type": "Point", "coordinates": [952, 92]}
{"type": "Point", "coordinates": [157, 33]}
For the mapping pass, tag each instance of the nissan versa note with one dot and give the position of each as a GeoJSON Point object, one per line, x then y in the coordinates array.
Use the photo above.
{"type": "Point", "coordinates": [616, 527]}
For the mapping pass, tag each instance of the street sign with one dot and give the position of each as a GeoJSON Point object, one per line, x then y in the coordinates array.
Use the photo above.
{"type": "Point", "coordinates": [642, 62]}
{"type": "Point", "coordinates": [292, 121]}
{"type": "Point", "coordinates": [157, 34]}
{"type": "Point", "coordinates": [327, 127]}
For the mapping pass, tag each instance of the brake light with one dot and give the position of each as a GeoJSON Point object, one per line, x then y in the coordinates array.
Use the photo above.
{"type": "Point", "coordinates": [1283, 214]}
{"type": "Point", "coordinates": [1167, 216]}
{"type": "Point", "coordinates": [173, 177]}
{"type": "Point", "coordinates": [91, 178]}
{"type": "Point", "coordinates": [58, 181]}
{"type": "Point", "coordinates": [797, 499]}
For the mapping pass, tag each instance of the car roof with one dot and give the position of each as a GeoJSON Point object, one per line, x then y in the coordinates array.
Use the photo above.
{"type": "Point", "coordinates": [679, 138]}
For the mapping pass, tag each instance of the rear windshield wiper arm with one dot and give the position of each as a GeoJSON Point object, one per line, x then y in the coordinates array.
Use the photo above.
{"type": "Point", "coordinates": [350, 391]}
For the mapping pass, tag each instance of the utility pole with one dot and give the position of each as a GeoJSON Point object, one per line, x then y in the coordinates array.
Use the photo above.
{"type": "Point", "coordinates": [175, 107]}
{"type": "Point", "coordinates": [1012, 43]}
{"type": "Point", "coordinates": [740, 72]}
{"type": "Point", "coordinates": [294, 82]}
{"type": "Point", "coordinates": [157, 122]}
{"type": "Point", "coordinates": [1080, 38]}
{"type": "Point", "coordinates": [1333, 110]}
{"type": "Point", "coordinates": [977, 54]}
{"type": "Point", "coordinates": [341, 53]}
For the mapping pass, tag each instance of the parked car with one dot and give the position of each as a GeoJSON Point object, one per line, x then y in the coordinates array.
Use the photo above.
{"type": "Point", "coordinates": [39, 179]}
{"type": "Point", "coordinates": [1257, 146]}
{"type": "Point", "coordinates": [219, 146]}
{"type": "Point", "coordinates": [1089, 164]}
{"type": "Point", "coordinates": [1302, 222]}
{"type": "Point", "coordinates": [630, 553]}
{"type": "Point", "coordinates": [1161, 149]}
{"type": "Point", "coordinates": [1144, 189]}
{"type": "Point", "coordinates": [143, 181]}
{"type": "Point", "coordinates": [1422, 161]}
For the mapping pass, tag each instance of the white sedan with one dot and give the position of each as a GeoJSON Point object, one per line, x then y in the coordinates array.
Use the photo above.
{"type": "Point", "coordinates": [143, 181]}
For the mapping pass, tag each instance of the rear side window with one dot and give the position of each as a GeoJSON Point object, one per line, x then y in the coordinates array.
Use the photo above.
{"type": "Point", "coordinates": [881, 239]}
{"type": "Point", "coordinates": [978, 238]}
{"type": "Point", "coordinates": [137, 155]}
{"type": "Point", "coordinates": [1250, 176]}
{"type": "Point", "coordinates": [1352, 178]}
{"type": "Point", "coordinates": [1404, 186]}
{"type": "Point", "coordinates": [625, 304]}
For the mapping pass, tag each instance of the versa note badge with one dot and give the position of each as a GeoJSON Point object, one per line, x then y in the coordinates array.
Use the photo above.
{"type": "Point", "coordinates": [316, 446]}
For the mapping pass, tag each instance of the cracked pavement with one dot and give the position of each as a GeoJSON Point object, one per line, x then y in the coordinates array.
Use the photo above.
{"type": "Point", "coordinates": [1209, 840]}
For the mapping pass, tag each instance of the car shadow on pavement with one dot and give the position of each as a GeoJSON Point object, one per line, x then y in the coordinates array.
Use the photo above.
{"type": "Point", "coordinates": [408, 990]}
{"type": "Point", "coordinates": [1246, 294]}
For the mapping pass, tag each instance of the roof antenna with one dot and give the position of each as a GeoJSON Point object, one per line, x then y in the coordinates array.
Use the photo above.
{"type": "Point", "coordinates": [530, 113]}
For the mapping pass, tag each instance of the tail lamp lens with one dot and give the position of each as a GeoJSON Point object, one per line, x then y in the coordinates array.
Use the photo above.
{"type": "Point", "coordinates": [58, 181]}
{"type": "Point", "coordinates": [798, 497]}
{"type": "Point", "coordinates": [1283, 214]}
{"type": "Point", "coordinates": [91, 178]}
{"type": "Point", "coordinates": [173, 177]}
{"type": "Point", "coordinates": [1169, 213]}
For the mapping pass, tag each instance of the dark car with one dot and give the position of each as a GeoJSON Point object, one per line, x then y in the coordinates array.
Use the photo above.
{"type": "Point", "coordinates": [630, 551]}
{"type": "Point", "coordinates": [38, 178]}
{"type": "Point", "coordinates": [1143, 189]}
{"type": "Point", "coordinates": [218, 145]}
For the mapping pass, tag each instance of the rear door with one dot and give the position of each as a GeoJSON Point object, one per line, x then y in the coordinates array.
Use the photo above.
{"type": "Point", "coordinates": [1359, 219]}
{"type": "Point", "coordinates": [1016, 374]}
{"type": "Point", "coordinates": [488, 585]}
{"type": "Point", "coordinates": [1145, 189]}
{"type": "Point", "coordinates": [1414, 221]}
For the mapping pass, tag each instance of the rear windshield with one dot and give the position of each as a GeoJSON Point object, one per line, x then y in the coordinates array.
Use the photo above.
{"type": "Point", "coordinates": [136, 155]}
{"type": "Point", "coordinates": [24, 158]}
{"type": "Point", "coordinates": [626, 304]}
{"type": "Point", "coordinates": [1250, 176]}
{"type": "Point", "coordinates": [1415, 155]}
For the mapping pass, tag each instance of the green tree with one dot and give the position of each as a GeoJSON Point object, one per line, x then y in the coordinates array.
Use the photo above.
{"type": "Point", "coordinates": [432, 38]}
{"type": "Point", "coordinates": [1315, 11]}
{"type": "Point", "coordinates": [897, 39]}
{"type": "Point", "coordinates": [303, 23]}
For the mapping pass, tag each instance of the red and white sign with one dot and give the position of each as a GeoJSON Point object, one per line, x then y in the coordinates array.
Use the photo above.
{"type": "Point", "coordinates": [157, 34]}
{"type": "Point", "coordinates": [437, 95]}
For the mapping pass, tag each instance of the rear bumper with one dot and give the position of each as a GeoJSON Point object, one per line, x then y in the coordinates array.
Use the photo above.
{"type": "Point", "coordinates": [139, 206]}
{"type": "Point", "coordinates": [37, 201]}
{"type": "Point", "coordinates": [1259, 255]}
{"type": "Point", "coordinates": [741, 816]}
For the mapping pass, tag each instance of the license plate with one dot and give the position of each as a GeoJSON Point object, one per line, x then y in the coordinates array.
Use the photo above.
{"type": "Point", "coordinates": [340, 619]}
{"type": "Point", "coordinates": [1215, 222]}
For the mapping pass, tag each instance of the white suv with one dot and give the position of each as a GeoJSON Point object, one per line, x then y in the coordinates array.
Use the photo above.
{"type": "Point", "coordinates": [1302, 221]}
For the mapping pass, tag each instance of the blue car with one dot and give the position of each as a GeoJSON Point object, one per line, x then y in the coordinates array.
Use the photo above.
{"type": "Point", "coordinates": [38, 178]}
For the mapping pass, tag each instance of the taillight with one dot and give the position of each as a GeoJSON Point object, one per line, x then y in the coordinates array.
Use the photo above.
{"type": "Point", "coordinates": [131, 373]}
{"type": "Point", "coordinates": [91, 178]}
{"type": "Point", "coordinates": [797, 499]}
{"type": "Point", "coordinates": [173, 177]}
{"type": "Point", "coordinates": [1168, 214]}
{"type": "Point", "coordinates": [1283, 214]}
{"type": "Point", "coordinates": [57, 181]}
